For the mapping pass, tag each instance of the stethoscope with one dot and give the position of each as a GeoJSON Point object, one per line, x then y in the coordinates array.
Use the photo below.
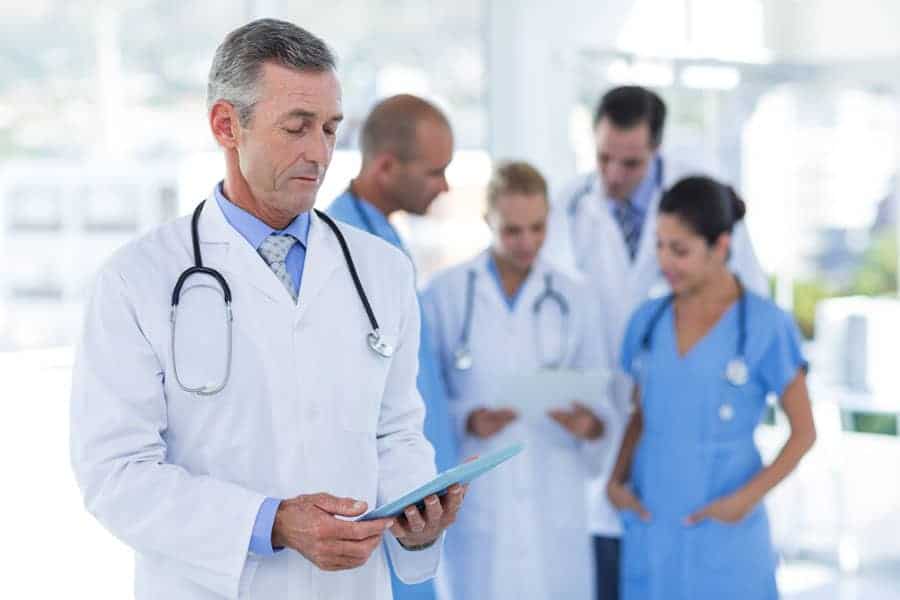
{"type": "Point", "coordinates": [373, 338]}
{"type": "Point", "coordinates": [736, 371]}
{"type": "Point", "coordinates": [462, 356]}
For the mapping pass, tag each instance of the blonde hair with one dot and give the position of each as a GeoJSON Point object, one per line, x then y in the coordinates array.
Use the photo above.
{"type": "Point", "coordinates": [514, 177]}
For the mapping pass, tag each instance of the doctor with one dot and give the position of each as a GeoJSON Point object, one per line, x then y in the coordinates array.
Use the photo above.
{"type": "Point", "coordinates": [406, 146]}
{"type": "Point", "coordinates": [522, 534]}
{"type": "Point", "coordinates": [689, 478]}
{"type": "Point", "coordinates": [603, 226]}
{"type": "Point", "coordinates": [227, 437]}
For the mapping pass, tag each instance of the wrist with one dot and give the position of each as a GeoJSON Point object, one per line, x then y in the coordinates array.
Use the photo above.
{"type": "Point", "coordinates": [278, 540]}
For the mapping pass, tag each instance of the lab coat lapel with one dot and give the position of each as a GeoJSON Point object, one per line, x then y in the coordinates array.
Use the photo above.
{"type": "Point", "coordinates": [646, 256]}
{"type": "Point", "coordinates": [323, 258]}
{"type": "Point", "coordinates": [226, 250]}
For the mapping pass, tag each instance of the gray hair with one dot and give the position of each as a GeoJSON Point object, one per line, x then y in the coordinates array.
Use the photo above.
{"type": "Point", "coordinates": [236, 66]}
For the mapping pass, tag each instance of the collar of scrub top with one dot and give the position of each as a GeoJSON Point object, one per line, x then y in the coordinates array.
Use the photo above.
{"type": "Point", "coordinates": [253, 229]}
{"type": "Point", "coordinates": [641, 199]}
{"type": "Point", "coordinates": [736, 370]}
{"type": "Point", "coordinates": [495, 272]}
{"type": "Point", "coordinates": [373, 220]}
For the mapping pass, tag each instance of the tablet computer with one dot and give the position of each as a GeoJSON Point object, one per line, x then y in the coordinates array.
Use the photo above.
{"type": "Point", "coordinates": [532, 395]}
{"type": "Point", "coordinates": [462, 474]}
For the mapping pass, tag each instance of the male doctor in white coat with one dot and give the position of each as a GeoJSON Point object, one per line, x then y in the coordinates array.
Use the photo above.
{"type": "Point", "coordinates": [603, 227]}
{"type": "Point", "coordinates": [245, 488]}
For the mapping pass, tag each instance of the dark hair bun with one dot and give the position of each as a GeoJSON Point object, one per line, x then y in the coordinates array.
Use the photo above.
{"type": "Point", "coordinates": [738, 206]}
{"type": "Point", "coordinates": [707, 206]}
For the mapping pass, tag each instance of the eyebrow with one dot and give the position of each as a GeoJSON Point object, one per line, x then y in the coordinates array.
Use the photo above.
{"type": "Point", "coordinates": [308, 114]}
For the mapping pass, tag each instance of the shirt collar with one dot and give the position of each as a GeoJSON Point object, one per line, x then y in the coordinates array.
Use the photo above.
{"type": "Point", "coordinates": [253, 229]}
{"type": "Point", "coordinates": [376, 218]}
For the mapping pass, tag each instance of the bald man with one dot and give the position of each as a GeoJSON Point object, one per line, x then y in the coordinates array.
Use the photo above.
{"type": "Point", "coordinates": [406, 145]}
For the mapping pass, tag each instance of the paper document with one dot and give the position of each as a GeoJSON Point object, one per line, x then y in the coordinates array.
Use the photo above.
{"type": "Point", "coordinates": [534, 394]}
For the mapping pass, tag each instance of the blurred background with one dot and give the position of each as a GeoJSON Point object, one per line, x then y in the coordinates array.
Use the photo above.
{"type": "Point", "coordinates": [103, 135]}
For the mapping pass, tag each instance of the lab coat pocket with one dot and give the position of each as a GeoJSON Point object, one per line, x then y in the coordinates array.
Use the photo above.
{"type": "Point", "coordinates": [635, 559]}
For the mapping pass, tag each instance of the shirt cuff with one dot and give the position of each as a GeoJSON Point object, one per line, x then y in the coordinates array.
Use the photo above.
{"type": "Point", "coordinates": [261, 539]}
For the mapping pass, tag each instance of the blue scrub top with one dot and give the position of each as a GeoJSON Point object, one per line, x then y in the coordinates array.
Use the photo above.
{"type": "Point", "coordinates": [692, 452]}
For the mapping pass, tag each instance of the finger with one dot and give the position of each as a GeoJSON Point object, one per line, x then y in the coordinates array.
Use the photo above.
{"type": "Point", "coordinates": [506, 414]}
{"type": "Point", "coordinates": [453, 500]}
{"type": "Point", "coordinates": [346, 507]}
{"type": "Point", "coordinates": [698, 517]}
{"type": "Point", "coordinates": [400, 529]}
{"type": "Point", "coordinates": [359, 530]}
{"type": "Point", "coordinates": [581, 408]}
{"type": "Point", "coordinates": [643, 513]}
{"type": "Point", "coordinates": [414, 519]}
{"type": "Point", "coordinates": [433, 511]}
{"type": "Point", "coordinates": [337, 550]}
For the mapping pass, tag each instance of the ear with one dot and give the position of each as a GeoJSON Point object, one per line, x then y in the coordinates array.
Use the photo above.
{"type": "Point", "coordinates": [723, 246]}
{"type": "Point", "coordinates": [224, 123]}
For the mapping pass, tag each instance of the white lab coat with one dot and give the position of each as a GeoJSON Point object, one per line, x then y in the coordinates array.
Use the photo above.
{"type": "Point", "coordinates": [521, 533]}
{"type": "Point", "coordinates": [308, 408]}
{"type": "Point", "coordinates": [590, 245]}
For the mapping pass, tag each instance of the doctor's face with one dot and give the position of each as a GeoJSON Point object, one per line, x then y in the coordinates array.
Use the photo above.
{"type": "Point", "coordinates": [415, 184]}
{"type": "Point", "coordinates": [284, 150]}
{"type": "Point", "coordinates": [685, 258]}
{"type": "Point", "coordinates": [623, 157]}
{"type": "Point", "coordinates": [518, 225]}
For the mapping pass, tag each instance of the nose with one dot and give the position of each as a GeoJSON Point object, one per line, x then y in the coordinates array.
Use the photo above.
{"type": "Point", "coordinates": [317, 150]}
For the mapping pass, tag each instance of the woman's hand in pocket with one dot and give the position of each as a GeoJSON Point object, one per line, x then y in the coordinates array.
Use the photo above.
{"type": "Point", "coordinates": [623, 498]}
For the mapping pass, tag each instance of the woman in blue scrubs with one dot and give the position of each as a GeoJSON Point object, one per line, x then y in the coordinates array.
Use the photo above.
{"type": "Point", "coordinates": [689, 479]}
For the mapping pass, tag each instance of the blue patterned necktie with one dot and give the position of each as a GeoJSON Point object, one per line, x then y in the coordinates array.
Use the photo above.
{"type": "Point", "coordinates": [274, 251]}
{"type": "Point", "coordinates": [629, 220]}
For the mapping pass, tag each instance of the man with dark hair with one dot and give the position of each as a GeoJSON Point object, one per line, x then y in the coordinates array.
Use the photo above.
{"type": "Point", "coordinates": [235, 457]}
{"type": "Point", "coordinates": [406, 145]}
{"type": "Point", "coordinates": [603, 226]}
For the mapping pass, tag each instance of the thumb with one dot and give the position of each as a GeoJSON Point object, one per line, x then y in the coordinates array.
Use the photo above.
{"type": "Point", "coordinates": [642, 512]}
{"type": "Point", "coordinates": [697, 517]}
{"type": "Point", "coordinates": [347, 507]}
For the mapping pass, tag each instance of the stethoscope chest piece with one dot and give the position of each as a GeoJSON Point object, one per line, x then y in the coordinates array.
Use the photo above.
{"type": "Point", "coordinates": [462, 359]}
{"type": "Point", "coordinates": [377, 343]}
{"type": "Point", "coordinates": [737, 372]}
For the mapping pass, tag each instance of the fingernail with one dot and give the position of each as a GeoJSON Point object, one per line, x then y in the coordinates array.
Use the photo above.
{"type": "Point", "coordinates": [431, 501]}
{"type": "Point", "coordinates": [456, 491]}
{"type": "Point", "coordinates": [389, 524]}
{"type": "Point", "coordinates": [358, 505]}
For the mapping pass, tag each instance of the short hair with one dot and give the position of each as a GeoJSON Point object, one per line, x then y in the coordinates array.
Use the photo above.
{"type": "Point", "coordinates": [630, 105]}
{"type": "Point", "coordinates": [237, 63]}
{"type": "Point", "coordinates": [514, 177]}
{"type": "Point", "coordinates": [392, 124]}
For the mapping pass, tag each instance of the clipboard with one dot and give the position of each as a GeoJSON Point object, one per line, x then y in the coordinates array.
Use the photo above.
{"type": "Point", "coordinates": [463, 473]}
{"type": "Point", "coordinates": [532, 395]}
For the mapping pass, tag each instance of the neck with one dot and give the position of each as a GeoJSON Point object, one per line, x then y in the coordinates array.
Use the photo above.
{"type": "Point", "coordinates": [238, 192]}
{"type": "Point", "coordinates": [721, 288]}
{"type": "Point", "coordinates": [365, 188]}
{"type": "Point", "coordinates": [511, 276]}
